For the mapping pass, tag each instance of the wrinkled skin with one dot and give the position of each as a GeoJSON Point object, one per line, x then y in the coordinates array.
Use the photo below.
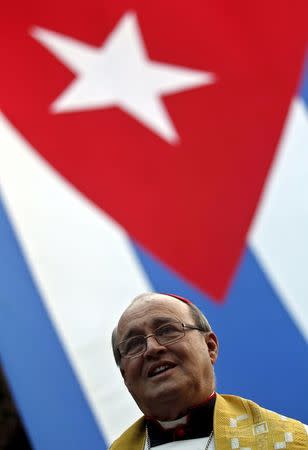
{"type": "Point", "coordinates": [189, 381]}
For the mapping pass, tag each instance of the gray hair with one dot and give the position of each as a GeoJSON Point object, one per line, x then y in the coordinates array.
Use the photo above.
{"type": "Point", "coordinates": [197, 315]}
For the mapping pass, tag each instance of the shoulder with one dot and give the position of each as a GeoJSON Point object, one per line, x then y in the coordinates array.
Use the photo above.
{"type": "Point", "coordinates": [240, 412]}
{"type": "Point", "coordinates": [133, 438]}
{"type": "Point", "coordinates": [236, 403]}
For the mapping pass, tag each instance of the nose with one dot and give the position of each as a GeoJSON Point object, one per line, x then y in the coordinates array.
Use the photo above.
{"type": "Point", "coordinates": [153, 347]}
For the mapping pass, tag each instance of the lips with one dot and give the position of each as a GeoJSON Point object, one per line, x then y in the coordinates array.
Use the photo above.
{"type": "Point", "coordinates": [160, 367]}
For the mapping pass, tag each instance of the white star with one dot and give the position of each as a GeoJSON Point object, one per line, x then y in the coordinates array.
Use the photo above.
{"type": "Point", "coordinates": [119, 73]}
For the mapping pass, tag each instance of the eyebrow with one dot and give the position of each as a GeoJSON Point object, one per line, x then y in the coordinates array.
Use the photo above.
{"type": "Point", "coordinates": [156, 322]}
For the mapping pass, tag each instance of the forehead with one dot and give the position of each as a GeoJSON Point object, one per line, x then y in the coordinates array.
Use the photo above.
{"type": "Point", "coordinates": [149, 312]}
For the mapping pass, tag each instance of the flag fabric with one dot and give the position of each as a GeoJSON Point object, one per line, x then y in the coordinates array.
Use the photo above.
{"type": "Point", "coordinates": [150, 147]}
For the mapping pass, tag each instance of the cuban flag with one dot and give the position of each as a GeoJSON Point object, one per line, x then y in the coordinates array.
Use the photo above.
{"type": "Point", "coordinates": [150, 146]}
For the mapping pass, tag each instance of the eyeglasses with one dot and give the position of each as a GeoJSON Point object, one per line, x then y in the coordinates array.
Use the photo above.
{"type": "Point", "coordinates": [164, 335]}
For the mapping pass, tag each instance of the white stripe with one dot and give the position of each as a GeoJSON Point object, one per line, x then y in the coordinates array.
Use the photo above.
{"type": "Point", "coordinates": [279, 235]}
{"type": "Point", "coordinates": [84, 268]}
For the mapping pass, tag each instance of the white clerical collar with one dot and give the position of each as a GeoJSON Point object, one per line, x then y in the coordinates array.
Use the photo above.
{"type": "Point", "coordinates": [168, 424]}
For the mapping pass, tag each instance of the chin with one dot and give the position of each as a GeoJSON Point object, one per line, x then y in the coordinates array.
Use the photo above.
{"type": "Point", "coordinates": [168, 407]}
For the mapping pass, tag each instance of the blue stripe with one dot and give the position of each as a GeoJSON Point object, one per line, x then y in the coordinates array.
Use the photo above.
{"type": "Point", "coordinates": [303, 90]}
{"type": "Point", "coordinates": [47, 393]}
{"type": "Point", "coordinates": [263, 356]}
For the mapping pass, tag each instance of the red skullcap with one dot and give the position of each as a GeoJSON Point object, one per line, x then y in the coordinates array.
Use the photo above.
{"type": "Point", "coordinates": [183, 299]}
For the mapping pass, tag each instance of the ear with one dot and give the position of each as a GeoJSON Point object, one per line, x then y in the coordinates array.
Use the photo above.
{"type": "Point", "coordinates": [212, 345]}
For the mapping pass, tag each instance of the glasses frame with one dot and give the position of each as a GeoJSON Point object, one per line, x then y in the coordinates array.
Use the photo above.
{"type": "Point", "coordinates": [172, 341]}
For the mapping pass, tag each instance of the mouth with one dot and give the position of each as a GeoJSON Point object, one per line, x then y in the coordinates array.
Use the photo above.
{"type": "Point", "coordinates": [159, 369]}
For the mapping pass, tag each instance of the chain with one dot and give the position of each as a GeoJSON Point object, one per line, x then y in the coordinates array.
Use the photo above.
{"type": "Point", "coordinates": [148, 442]}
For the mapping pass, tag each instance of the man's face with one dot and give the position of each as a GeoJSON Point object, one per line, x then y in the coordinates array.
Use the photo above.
{"type": "Point", "coordinates": [189, 378]}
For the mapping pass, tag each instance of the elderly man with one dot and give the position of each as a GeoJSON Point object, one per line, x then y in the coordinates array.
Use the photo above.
{"type": "Point", "coordinates": [166, 351]}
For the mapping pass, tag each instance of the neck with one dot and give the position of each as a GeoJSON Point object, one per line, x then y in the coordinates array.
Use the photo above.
{"type": "Point", "coordinates": [197, 423]}
{"type": "Point", "coordinates": [165, 415]}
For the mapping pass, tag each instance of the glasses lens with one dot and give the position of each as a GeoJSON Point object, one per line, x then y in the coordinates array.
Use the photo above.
{"type": "Point", "coordinates": [132, 346]}
{"type": "Point", "coordinates": [170, 332]}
